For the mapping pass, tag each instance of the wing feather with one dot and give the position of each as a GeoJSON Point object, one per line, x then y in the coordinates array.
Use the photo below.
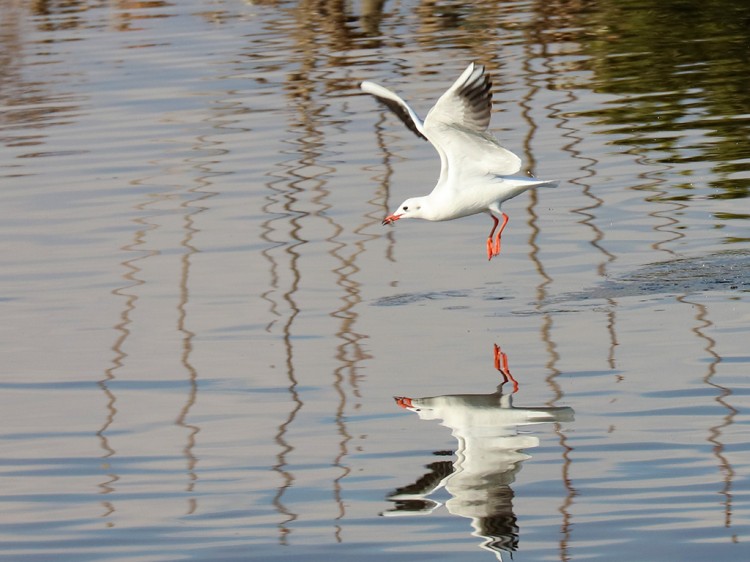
{"type": "Point", "coordinates": [397, 106]}
{"type": "Point", "coordinates": [468, 102]}
{"type": "Point", "coordinates": [457, 126]}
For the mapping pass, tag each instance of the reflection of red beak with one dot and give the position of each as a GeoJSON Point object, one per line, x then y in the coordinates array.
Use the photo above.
{"type": "Point", "coordinates": [403, 402]}
{"type": "Point", "coordinates": [391, 219]}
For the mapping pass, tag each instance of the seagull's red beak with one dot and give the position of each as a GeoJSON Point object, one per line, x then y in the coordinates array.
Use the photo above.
{"type": "Point", "coordinates": [403, 401]}
{"type": "Point", "coordinates": [391, 219]}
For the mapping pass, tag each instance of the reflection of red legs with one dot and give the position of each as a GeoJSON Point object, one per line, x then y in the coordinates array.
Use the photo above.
{"type": "Point", "coordinates": [403, 402]}
{"type": "Point", "coordinates": [501, 364]}
{"type": "Point", "coordinates": [493, 247]}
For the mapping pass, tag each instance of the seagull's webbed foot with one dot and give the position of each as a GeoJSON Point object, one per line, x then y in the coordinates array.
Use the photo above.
{"type": "Point", "coordinates": [493, 247]}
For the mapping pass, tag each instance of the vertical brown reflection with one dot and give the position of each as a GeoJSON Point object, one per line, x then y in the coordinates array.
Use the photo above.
{"type": "Point", "coordinates": [305, 173]}
{"type": "Point", "coordinates": [312, 144]}
{"type": "Point", "coordinates": [204, 148]}
{"type": "Point", "coordinates": [350, 352]}
{"type": "Point", "coordinates": [187, 345]}
{"type": "Point", "coordinates": [655, 179]}
{"type": "Point", "coordinates": [723, 393]}
{"type": "Point", "coordinates": [588, 212]}
{"type": "Point", "coordinates": [382, 194]}
{"type": "Point", "coordinates": [283, 222]}
{"type": "Point", "coordinates": [282, 232]}
{"type": "Point", "coordinates": [526, 105]}
{"type": "Point", "coordinates": [315, 23]}
{"type": "Point", "coordinates": [130, 299]}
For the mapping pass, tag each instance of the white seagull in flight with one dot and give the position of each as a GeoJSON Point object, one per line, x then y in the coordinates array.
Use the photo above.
{"type": "Point", "coordinates": [476, 173]}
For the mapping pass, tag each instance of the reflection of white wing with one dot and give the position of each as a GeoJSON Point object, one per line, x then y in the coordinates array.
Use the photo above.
{"type": "Point", "coordinates": [426, 507]}
{"type": "Point", "coordinates": [490, 449]}
{"type": "Point", "coordinates": [494, 412]}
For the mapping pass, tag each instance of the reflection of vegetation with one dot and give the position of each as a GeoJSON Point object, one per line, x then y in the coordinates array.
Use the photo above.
{"type": "Point", "coordinates": [678, 68]}
{"type": "Point", "coordinates": [684, 66]}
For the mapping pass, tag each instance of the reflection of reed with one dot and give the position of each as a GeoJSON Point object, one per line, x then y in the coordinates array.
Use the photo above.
{"type": "Point", "coordinates": [123, 333]}
{"type": "Point", "coordinates": [350, 352]}
{"type": "Point", "coordinates": [284, 196]}
{"type": "Point", "coordinates": [653, 181]}
{"type": "Point", "coordinates": [187, 347]}
{"type": "Point", "coordinates": [715, 432]}
{"type": "Point", "coordinates": [285, 192]}
{"type": "Point", "coordinates": [589, 211]}
{"type": "Point", "coordinates": [382, 194]}
{"type": "Point", "coordinates": [306, 173]}
{"type": "Point", "coordinates": [526, 104]}
{"type": "Point", "coordinates": [310, 156]}
{"type": "Point", "coordinates": [191, 209]}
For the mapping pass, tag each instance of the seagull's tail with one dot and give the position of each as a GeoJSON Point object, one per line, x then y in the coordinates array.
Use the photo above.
{"type": "Point", "coordinates": [549, 183]}
{"type": "Point", "coordinates": [515, 185]}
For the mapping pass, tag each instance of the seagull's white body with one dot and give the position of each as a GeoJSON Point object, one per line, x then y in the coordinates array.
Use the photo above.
{"type": "Point", "coordinates": [477, 174]}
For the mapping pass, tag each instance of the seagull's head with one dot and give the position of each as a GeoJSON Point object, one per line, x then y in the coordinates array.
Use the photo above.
{"type": "Point", "coordinates": [409, 209]}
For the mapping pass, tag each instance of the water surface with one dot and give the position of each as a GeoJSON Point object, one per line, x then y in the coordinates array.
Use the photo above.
{"type": "Point", "coordinates": [205, 324]}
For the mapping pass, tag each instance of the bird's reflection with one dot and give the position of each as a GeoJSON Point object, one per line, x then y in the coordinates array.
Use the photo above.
{"type": "Point", "coordinates": [488, 456]}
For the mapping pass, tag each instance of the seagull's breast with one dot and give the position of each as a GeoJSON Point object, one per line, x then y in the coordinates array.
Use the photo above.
{"type": "Point", "coordinates": [465, 197]}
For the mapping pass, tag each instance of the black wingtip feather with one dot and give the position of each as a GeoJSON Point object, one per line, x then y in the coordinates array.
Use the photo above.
{"type": "Point", "coordinates": [402, 114]}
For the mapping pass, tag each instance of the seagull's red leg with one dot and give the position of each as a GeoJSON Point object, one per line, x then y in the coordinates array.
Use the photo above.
{"type": "Point", "coordinates": [501, 364]}
{"type": "Point", "coordinates": [489, 238]}
{"type": "Point", "coordinates": [496, 247]}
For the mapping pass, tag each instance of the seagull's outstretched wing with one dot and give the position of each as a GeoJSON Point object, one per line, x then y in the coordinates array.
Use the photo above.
{"type": "Point", "coordinates": [467, 103]}
{"type": "Point", "coordinates": [397, 105]}
{"type": "Point", "coordinates": [457, 126]}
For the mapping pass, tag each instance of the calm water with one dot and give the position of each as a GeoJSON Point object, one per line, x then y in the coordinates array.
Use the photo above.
{"type": "Point", "coordinates": [205, 324]}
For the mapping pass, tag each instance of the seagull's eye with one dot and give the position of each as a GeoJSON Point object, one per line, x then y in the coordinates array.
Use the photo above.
{"type": "Point", "coordinates": [405, 208]}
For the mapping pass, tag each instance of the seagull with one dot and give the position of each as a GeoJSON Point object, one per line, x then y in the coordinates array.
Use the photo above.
{"type": "Point", "coordinates": [477, 174]}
